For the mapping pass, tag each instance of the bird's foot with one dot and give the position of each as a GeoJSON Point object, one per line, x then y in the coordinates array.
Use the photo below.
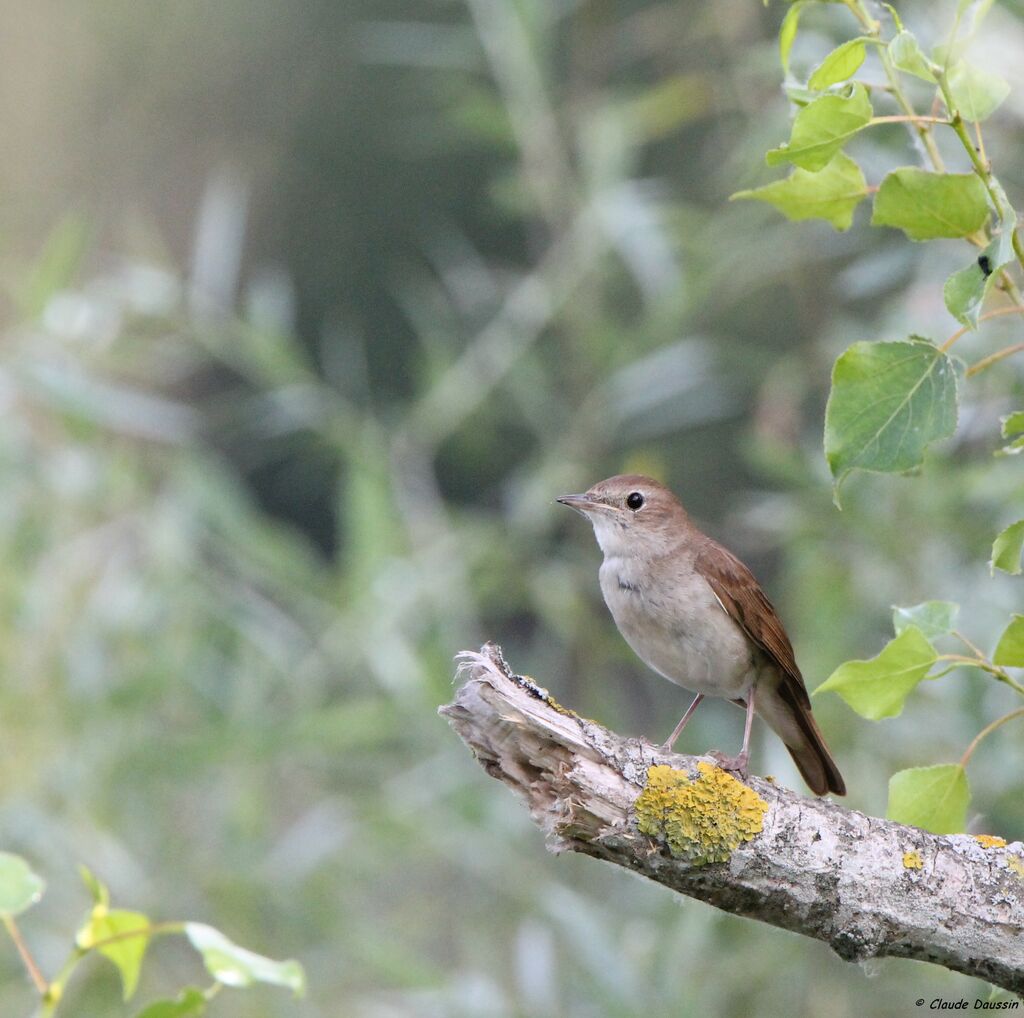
{"type": "Point", "coordinates": [734, 764]}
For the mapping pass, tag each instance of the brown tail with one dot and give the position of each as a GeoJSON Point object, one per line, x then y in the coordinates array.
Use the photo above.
{"type": "Point", "coordinates": [792, 720]}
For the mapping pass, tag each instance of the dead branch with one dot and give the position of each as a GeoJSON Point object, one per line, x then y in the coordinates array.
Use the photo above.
{"type": "Point", "coordinates": [868, 887]}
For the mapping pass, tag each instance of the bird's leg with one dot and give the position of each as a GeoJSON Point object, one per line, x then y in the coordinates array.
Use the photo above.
{"type": "Point", "coordinates": [738, 764]}
{"type": "Point", "coordinates": [667, 746]}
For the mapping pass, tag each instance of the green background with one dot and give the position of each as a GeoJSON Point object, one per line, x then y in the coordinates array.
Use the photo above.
{"type": "Point", "coordinates": [310, 311]}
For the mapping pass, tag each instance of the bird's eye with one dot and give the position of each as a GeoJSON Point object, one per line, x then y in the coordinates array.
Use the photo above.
{"type": "Point", "coordinates": [634, 500]}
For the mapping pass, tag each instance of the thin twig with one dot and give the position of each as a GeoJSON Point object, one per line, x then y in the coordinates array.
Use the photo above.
{"type": "Point", "coordinates": [981, 142]}
{"type": "Point", "coordinates": [993, 358]}
{"type": "Point", "coordinates": [987, 730]}
{"type": "Point", "coordinates": [978, 652]}
{"type": "Point", "coordinates": [909, 119]}
{"type": "Point", "coordinates": [1015, 310]}
{"type": "Point", "coordinates": [986, 666]}
{"type": "Point", "coordinates": [37, 977]}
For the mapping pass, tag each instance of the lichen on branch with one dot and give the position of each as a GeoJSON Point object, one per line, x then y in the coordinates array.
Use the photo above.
{"type": "Point", "coordinates": [700, 819]}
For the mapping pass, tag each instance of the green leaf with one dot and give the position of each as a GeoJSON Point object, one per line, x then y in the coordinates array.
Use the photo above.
{"type": "Point", "coordinates": [798, 94]}
{"type": "Point", "coordinates": [190, 1001]}
{"type": "Point", "coordinates": [906, 54]}
{"type": "Point", "coordinates": [965, 291]}
{"type": "Point", "coordinates": [96, 888]}
{"type": "Point", "coordinates": [840, 65]}
{"type": "Point", "coordinates": [977, 94]}
{"type": "Point", "coordinates": [20, 886]}
{"type": "Point", "coordinates": [1013, 428]}
{"type": "Point", "coordinates": [878, 688]}
{"type": "Point", "coordinates": [1010, 648]}
{"type": "Point", "coordinates": [787, 33]}
{"type": "Point", "coordinates": [830, 194]}
{"type": "Point", "coordinates": [933, 618]}
{"type": "Point", "coordinates": [888, 402]}
{"type": "Point", "coordinates": [928, 205]}
{"type": "Point", "coordinates": [1012, 424]}
{"type": "Point", "coordinates": [1000, 251]}
{"type": "Point", "coordinates": [934, 798]}
{"type": "Point", "coordinates": [822, 128]}
{"type": "Point", "coordinates": [1007, 548]}
{"type": "Point", "coordinates": [235, 966]}
{"type": "Point", "coordinates": [127, 953]}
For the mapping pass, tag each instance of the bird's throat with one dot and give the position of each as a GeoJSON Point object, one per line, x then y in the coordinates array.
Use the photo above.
{"type": "Point", "coordinates": [629, 572]}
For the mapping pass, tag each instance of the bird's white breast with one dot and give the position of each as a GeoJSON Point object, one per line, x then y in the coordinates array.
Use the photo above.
{"type": "Point", "coordinates": [672, 619]}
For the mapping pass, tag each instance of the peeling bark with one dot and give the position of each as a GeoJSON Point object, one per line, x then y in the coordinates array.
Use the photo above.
{"type": "Point", "coordinates": [868, 887]}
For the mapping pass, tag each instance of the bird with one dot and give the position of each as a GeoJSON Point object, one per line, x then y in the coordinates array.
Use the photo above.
{"type": "Point", "coordinates": [694, 613]}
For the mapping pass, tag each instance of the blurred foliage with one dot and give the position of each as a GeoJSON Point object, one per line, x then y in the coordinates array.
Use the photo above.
{"type": "Point", "coordinates": [440, 269]}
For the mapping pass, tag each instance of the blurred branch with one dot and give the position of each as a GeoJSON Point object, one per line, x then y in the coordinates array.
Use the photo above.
{"type": "Point", "coordinates": [521, 320]}
{"type": "Point", "coordinates": [867, 887]}
{"type": "Point", "coordinates": [546, 164]}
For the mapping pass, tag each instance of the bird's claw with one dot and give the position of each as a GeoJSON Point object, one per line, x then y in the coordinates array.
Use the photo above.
{"type": "Point", "coordinates": [734, 764]}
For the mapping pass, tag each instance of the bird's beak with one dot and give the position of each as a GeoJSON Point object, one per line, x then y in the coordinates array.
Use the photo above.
{"type": "Point", "coordinates": [581, 503]}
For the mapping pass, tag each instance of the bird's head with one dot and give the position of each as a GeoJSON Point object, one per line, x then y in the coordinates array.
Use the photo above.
{"type": "Point", "coordinates": [631, 514]}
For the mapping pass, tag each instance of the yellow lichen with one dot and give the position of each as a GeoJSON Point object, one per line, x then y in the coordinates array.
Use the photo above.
{"type": "Point", "coordinates": [912, 860]}
{"type": "Point", "coordinates": [556, 706]}
{"type": "Point", "coordinates": [701, 820]}
{"type": "Point", "coordinates": [990, 840]}
{"type": "Point", "coordinates": [1015, 864]}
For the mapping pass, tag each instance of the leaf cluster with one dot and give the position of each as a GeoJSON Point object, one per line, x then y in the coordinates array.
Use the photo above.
{"type": "Point", "coordinates": [123, 937]}
{"type": "Point", "coordinates": [891, 399]}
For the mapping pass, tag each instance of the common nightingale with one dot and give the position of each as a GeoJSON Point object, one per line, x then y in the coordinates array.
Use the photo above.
{"type": "Point", "coordinates": [694, 613]}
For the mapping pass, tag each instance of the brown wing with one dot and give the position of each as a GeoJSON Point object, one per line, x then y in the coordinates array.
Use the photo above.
{"type": "Point", "coordinates": [744, 600]}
